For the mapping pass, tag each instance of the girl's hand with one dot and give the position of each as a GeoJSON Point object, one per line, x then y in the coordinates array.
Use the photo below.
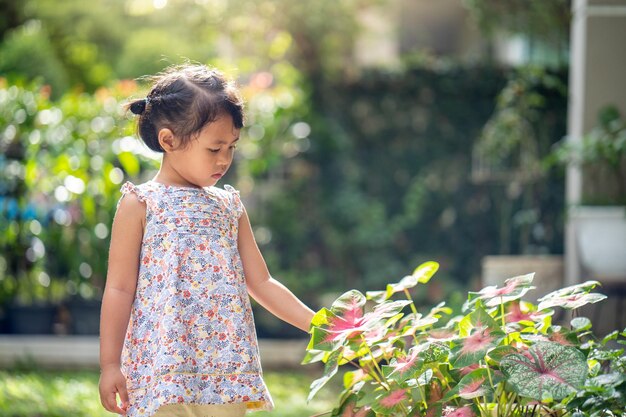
{"type": "Point", "coordinates": [113, 382]}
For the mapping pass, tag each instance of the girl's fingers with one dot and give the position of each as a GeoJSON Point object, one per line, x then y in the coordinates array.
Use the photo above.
{"type": "Point", "coordinates": [110, 403]}
{"type": "Point", "coordinates": [123, 394]}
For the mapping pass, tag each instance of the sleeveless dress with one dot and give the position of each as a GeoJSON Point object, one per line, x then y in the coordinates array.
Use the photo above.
{"type": "Point", "coordinates": [191, 336]}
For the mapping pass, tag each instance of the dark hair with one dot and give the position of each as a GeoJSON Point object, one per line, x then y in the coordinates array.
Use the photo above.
{"type": "Point", "coordinates": [185, 98]}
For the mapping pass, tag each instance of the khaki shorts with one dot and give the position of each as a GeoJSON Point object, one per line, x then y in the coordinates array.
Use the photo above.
{"type": "Point", "coordinates": [201, 410]}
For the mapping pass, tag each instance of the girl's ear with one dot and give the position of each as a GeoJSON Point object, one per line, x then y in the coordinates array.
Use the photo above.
{"type": "Point", "coordinates": [167, 140]}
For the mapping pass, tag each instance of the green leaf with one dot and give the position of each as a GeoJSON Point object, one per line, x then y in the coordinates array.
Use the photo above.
{"type": "Point", "coordinates": [352, 377]}
{"type": "Point", "coordinates": [433, 352]}
{"type": "Point", "coordinates": [501, 351]}
{"type": "Point", "coordinates": [439, 308]}
{"type": "Point", "coordinates": [417, 322]}
{"type": "Point", "coordinates": [572, 297]}
{"type": "Point", "coordinates": [479, 333]}
{"type": "Point", "coordinates": [475, 384]}
{"type": "Point", "coordinates": [425, 271]}
{"type": "Point", "coordinates": [474, 348]}
{"type": "Point", "coordinates": [421, 275]}
{"type": "Point", "coordinates": [324, 340]}
{"type": "Point", "coordinates": [403, 368]}
{"type": "Point", "coordinates": [547, 371]}
{"type": "Point", "coordinates": [390, 308]}
{"type": "Point", "coordinates": [477, 318]}
{"type": "Point", "coordinates": [377, 296]}
{"type": "Point", "coordinates": [321, 317]}
{"type": "Point", "coordinates": [330, 369]}
{"type": "Point", "coordinates": [581, 323]}
{"type": "Point", "coordinates": [514, 289]}
{"type": "Point", "coordinates": [425, 377]}
{"type": "Point", "coordinates": [313, 355]}
{"type": "Point", "coordinates": [611, 336]}
{"type": "Point", "coordinates": [348, 302]}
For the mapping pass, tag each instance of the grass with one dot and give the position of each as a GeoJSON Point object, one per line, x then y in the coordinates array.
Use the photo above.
{"type": "Point", "coordinates": [62, 394]}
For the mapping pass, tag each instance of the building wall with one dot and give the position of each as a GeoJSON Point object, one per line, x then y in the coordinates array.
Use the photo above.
{"type": "Point", "coordinates": [605, 78]}
{"type": "Point", "coordinates": [597, 70]}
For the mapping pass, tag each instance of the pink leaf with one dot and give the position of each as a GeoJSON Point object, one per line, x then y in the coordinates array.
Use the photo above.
{"type": "Point", "coordinates": [514, 288]}
{"type": "Point", "coordinates": [559, 338]}
{"type": "Point", "coordinates": [405, 363]}
{"type": "Point", "coordinates": [441, 335]}
{"type": "Point", "coordinates": [479, 340]}
{"type": "Point", "coordinates": [472, 389]}
{"type": "Point", "coordinates": [516, 314]}
{"type": "Point", "coordinates": [459, 412]}
{"type": "Point", "coordinates": [467, 369]}
{"type": "Point", "coordinates": [510, 286]}
{"type": "Point", "coordinates": [393, 399]}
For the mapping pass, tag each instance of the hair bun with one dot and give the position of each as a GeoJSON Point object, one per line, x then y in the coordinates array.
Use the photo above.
{"type": "Point", "coordinates": [138, 106]}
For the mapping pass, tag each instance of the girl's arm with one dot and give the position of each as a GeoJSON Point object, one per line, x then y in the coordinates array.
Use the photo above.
{"type": "Point", "coordinates": [268, 292]}
{"type": "Point", "coordinates": [119, 293]}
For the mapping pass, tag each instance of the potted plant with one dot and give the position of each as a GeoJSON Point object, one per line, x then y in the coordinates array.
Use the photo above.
{"type": "Point", "coordinates": [503, 357]}
{"type": "Point", "coordinates": [600, 220]}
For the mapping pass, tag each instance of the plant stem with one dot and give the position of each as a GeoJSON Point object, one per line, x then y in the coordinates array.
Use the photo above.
{"type": "Point", "coordinates": [480, 409]}
{"type": "Point", "coordinates": [514, 405]}
{"type": "Point", "coordinates": [498, 396]}
{"type": "Point", "coordinates": [423, 394]}
{"type": "Point", "coordinates": [380, 372]}
{"type": "Point", "coordinates": [370, 370]}
{"type": "Point", "coordinates": [443, 379]}
{"type": "Point", "coordinates": [510, 402]}
{"type": "Point", "coordinates": [489, 374]}
{"type": "Point", "coordinates": [408, 296]}
{"type": "Point", "coordinates": [485, 403]}
{"type": "Point", "coordinates": [413, 309]}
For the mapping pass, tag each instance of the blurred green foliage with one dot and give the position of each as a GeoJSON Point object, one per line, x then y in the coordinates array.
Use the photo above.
{"type": "Point", "coordinates": [510, 147]}
{"type": "Point", "coordinates": [31, 393]}
{"type": "Point", "coordinates": [62, 163]}
{"type": "Point", "coordinates": [386, 182]}
{"type": "Point", "coordinates": [349, 176]}
{"type": "Point", "coordinates": [102, 40]}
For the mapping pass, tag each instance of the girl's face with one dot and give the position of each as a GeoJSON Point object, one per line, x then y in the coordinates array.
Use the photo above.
{"type": "Point", "coordinates": [208, 156]}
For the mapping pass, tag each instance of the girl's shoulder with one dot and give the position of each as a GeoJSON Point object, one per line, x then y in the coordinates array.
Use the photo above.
{"type": "Point", "coordinates": [146, 192]}
{"type": "Point", "coordinates": [142, 191]}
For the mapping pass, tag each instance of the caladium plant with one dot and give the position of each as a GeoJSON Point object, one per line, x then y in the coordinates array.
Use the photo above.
{"type": "Point", "coordinates": [503, 358]}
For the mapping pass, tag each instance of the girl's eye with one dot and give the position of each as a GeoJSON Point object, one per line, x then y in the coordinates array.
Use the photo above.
{"type": "Point", "coordinates": [214, 150]}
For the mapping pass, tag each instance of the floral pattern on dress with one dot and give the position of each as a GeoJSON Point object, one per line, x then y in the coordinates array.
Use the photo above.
{"type": "Point", "coordinates": [191, 336]}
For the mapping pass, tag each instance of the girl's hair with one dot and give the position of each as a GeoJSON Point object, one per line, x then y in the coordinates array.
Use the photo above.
{"type": "Point", "coordinates": [185, 98]}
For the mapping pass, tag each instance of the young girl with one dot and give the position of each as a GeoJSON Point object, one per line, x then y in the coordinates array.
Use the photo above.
{"type": "Point", "coordinates": [177, 335]}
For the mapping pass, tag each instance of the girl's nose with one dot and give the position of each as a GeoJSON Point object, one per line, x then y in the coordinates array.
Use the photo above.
{"type": "Point", "coordinates": [223, 161]}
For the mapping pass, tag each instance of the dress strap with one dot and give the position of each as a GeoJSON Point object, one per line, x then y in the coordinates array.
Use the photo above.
{"type": "Point", "coordinates": [129, 187]}
{"type": "Point", "coordinates": [235, 200]}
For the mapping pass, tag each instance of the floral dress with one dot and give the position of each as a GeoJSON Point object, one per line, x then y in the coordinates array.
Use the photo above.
{"type": "Point", "coordinates": [191, 336]}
